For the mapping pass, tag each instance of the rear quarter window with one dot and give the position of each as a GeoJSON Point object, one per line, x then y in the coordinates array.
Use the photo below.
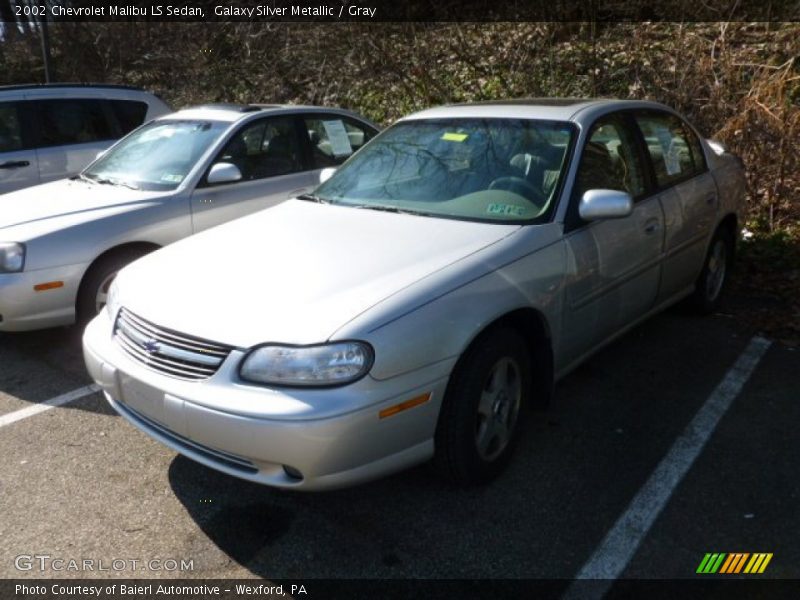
{"type": "Point", "coordinates": [129, 113]}
{"type": "Point", "coordinates": [78, 121]}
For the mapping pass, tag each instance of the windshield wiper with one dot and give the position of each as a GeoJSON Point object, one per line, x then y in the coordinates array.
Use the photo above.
{"type": "Point", "coordinates": [112, 181]}
{"type": "Point", "coordinates": [313, 198]}
{"type": "Point", "coordinates": [392, 209]}
{"type": "Point", "coordinates": [82, 177]}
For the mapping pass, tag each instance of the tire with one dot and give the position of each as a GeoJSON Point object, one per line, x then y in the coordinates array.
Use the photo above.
{"type": "Point", "coordinates": [98, 279]}
{"type": "Point", "coordinates": [713, 279]}
{"type": "Point", "coordinates": [479, 420]}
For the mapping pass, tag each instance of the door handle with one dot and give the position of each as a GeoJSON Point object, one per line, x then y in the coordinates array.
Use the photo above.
{"type": "Point", "coordinates": [711, 200]}
{"type": "Point", "coordinates": [15, 164]}
{"type": "Point", "coordinates": [651, 227]}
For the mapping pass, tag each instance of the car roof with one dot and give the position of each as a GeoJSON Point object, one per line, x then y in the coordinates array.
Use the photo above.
{"type": "Point", "coordinates": [229, 112]}
{"type": "Point", "coordinates": [39, 91]}
{"type": "Point", "coordinates": [556, 109]}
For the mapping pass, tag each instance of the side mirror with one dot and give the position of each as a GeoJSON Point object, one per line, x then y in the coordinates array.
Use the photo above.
{"type": "Point", "coordinates": [326, 174]}
{"type": "Point", "coordinates": [223, 172]}
{"type": "Point", "coordinates": [605, 204]}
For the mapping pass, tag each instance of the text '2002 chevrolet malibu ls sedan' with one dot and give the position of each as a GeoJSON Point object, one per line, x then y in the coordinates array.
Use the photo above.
{"type": "Point", "coordinates": [438, 282]}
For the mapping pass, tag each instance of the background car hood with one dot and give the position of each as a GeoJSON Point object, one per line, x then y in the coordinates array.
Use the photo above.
{"type": "Point", "coordinates": [62, 200]}
{"type": "Point", "coordinates": [294, 273]}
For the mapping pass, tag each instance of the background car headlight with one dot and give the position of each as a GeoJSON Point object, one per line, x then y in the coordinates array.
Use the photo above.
{"type": "Point", "coordinates": [112, 300]}
{"type": "Point", "coordinates": [336, 363]}
{"type": "Point", "coordinates": [12, 257]}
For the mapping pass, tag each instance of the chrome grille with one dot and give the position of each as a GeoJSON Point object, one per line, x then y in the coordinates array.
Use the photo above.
{"type": "Point", "coordinates": [168, 351]}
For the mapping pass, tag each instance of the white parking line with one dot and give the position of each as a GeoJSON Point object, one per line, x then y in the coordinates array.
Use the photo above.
{"type": "Point", "coordinates": [622, 541]}
{"type": "Point", "coordinates": [40, 407]}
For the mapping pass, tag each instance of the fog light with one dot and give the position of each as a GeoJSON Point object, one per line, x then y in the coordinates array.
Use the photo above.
{"type": "Point", "coordinates": [292, 472]}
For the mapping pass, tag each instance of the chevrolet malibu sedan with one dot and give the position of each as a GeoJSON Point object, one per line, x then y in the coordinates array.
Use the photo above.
{"type": "Point", "coordinates": [420, 299]}
{"type": "Point", "coordinates": [62, 243]}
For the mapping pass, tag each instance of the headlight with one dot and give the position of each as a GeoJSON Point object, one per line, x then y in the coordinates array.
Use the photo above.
{"type": "Point", "coordinates": [12, 257]}
{"type": "Point", "coordinates": [322, 365]}
{"type": "Point", "coordinates": [112, 301]}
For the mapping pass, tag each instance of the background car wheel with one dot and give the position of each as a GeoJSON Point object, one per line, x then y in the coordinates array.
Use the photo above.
{"type": "Point", "coordinates": [94, 287]}
{"type": "Point", "coordinates": [480, 415]}
{"type": "Point", "coordinates": [714, 276]}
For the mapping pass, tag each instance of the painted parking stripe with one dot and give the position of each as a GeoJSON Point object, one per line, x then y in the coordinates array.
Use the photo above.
{"type": "Point", "coordinates": [622, 541]}
{"type": "Point", "coordinates": [40, 407]}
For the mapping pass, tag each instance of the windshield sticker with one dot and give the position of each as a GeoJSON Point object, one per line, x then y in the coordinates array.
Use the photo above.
{"type": "Point", "coordinates": [505, 209]}
{"type": "Point", "coordinates": [449, 136]}
{"type": "Point", "coordinates": [172, 177]}
{"type": "Point", "coordinates": [338, 138]}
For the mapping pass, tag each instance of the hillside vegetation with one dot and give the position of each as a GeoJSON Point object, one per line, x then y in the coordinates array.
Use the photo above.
{"type": "Point", "coordinates": [738, 82]}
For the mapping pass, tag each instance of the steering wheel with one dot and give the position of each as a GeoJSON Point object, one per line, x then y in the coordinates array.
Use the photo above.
{"type": "Point", "coordinates": [518, 185]}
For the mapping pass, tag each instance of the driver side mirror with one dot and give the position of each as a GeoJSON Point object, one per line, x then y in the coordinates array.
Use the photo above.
{"type": "Point", "coordinates": [605, 204]}
{"type": "Point", "coordinates": [326, 174]}
{"type": "Point", "coordinates": [223, 172]}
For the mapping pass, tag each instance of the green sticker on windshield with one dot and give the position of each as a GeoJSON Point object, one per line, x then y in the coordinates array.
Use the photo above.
{"type": "Point", "coordinates": [448, 136]}
{"type": "Point", "coordinates": [505, 209]}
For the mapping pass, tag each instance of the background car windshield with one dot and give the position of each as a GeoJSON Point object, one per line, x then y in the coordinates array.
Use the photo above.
{"type": "Point", "coordinates": [158, 156]}
{"type": "Point", "coordinates": [476, 169]}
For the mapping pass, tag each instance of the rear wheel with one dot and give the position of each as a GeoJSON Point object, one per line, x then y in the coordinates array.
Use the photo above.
{"type": "Point", "coordinates": [93, 292]}
{"type": "Point", "coordinates": [480, 415]}
{"type": "Point", "coordinates": [716, 270]}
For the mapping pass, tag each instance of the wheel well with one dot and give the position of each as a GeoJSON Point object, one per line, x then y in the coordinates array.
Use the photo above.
{"type": "Point", "coordinates": [731, 223]}
{"type": "Point", "coordinates": [143, 247]}
{"type": "Point", "coordinates": [536, 333]}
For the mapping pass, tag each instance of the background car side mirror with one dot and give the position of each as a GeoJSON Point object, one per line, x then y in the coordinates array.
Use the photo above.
{"type": "Point", "coordinates": [326, 174]}
{"type": "Point", "coordinates": [223, 172]}
{"type": "Point", "coordinates": [605, 204]}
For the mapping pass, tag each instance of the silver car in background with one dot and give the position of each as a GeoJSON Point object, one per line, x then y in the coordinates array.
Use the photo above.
{"type": "Point", "coordinates": [437, 284]}
{"type": "Point", "coordinates": [62, 243]}
{"type": "Point", "coordinates": [52, 131]}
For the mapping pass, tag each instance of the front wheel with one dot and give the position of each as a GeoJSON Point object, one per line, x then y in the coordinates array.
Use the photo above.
{"type": "Point", "coordinates": [480, 414]}
{"type": "Point", "coordinates": [93, 292]}
{"type": "Point", "coordinates": [714, 276]}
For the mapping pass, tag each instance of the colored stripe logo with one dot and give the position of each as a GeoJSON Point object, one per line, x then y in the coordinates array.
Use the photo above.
{"type": "Point", "coordinates": [734, 562]}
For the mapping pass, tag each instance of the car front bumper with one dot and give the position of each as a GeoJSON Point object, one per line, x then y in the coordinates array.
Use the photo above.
{"type": "Point", "coordinates": [22, 308]}
{"type": "Point", "coordinates": [254, 432]}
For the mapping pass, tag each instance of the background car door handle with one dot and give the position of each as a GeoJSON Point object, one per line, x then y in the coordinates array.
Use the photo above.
{"type": "Point", "coordinates": [711, 200]}
{"type": "Point", "coordinates": [15, 164]}
{"type": "Point", "coordinates": [651, 227]}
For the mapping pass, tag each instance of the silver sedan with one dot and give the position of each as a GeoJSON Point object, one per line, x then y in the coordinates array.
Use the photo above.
{"type": "Point", "coordinates": [62, 243]}
{"type": "Point", "coordinates": [411, 307]}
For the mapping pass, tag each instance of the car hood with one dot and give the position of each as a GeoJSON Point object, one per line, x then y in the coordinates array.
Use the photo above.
{"type": "Point", "coordinates": [63, 201]}
{"type": "Point", "coordinates": [294, 273]}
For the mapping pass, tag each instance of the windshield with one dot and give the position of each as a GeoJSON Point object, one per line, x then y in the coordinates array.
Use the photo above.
{"type": "Point", "coordinates": [157, 156]}
{"type": "Point", "coordinates": [494, 170]}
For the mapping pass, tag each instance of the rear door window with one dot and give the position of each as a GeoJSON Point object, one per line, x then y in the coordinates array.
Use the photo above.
{"type": "Point", "coordinates": [672, 147]}
{"type": "Point", "coordinates": [129, 113]}
{"type": "Point", "coordinates": [334, 139]}
{"type": "Point", "coordinates": [79, 121]}
{"type": "Point", "coordinates": [10, 128]}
